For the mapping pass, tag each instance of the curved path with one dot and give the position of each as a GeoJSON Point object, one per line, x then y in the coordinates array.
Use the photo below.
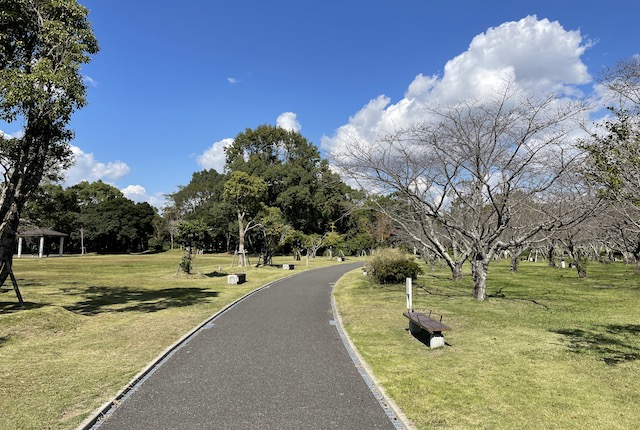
{"type": "Point", "coordinates": [275, 360]}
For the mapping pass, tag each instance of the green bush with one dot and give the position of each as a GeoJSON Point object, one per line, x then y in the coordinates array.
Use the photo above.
{"type": "Point", "coordinates": [391, 266]}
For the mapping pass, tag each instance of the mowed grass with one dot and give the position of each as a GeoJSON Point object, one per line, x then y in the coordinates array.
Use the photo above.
{"type": "Point", "coordinates": [91, 323]}
{"type": "Point", "coordinates": [546, 350]}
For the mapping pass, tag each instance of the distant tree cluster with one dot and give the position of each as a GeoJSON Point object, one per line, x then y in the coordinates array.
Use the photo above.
{"type": "Point", "coordinates": [95, 215]}
{"type": "Point", "coordinates": [276, 194]}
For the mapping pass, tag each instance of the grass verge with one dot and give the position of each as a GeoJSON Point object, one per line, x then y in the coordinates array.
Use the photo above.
{"type": "Point", "coordinates": [546, 350]}
{"type": "Point", "coordinates": [93, 322]}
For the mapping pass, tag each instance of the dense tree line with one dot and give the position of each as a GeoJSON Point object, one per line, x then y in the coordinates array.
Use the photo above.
{"type": "Point", "coordinates": [95, 215]}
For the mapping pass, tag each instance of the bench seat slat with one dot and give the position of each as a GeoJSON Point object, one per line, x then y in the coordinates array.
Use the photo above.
{"type": "Point", "coordinates": [426, 323]}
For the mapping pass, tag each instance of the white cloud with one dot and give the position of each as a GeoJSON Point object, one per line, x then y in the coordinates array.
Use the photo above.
{"type": "Point", "coordinates": [233, 81]}
{"type": "Point", "coordinates": [539, 54]}
{"type": "Point", "coordinates": [138, 194]}
{"type": "Point", "coordinates": [87, 168]}
{"type": "Point", "coordinates": [288, 121]}
{"type": "Point", "coordinates": [535, 54]}
{"type": "Point", "coordinates": [18, 134]}
{"type": "Point", "coordinates": [214, 157]}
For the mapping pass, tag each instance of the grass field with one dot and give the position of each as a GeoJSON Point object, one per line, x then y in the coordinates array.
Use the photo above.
{"type": "Point", "coordinates": [546, 350]}
{"type": "Point", "coordinates": [93, 322]}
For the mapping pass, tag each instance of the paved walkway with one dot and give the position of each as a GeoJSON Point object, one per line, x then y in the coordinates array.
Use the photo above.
{"type": "Point", "coordinates": [275, 360]}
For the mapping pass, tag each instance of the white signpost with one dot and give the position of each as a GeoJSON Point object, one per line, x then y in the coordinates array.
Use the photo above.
{"type": "Point", "coordinates": [409, 295]}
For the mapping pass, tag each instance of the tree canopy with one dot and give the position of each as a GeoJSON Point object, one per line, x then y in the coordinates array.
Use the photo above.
{"type": "Point", "coordinates": [43, 44]}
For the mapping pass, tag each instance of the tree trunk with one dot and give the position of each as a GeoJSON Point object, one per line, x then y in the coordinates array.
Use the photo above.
{"type": "Point", "coordinates": [480, 267]}
{"type": "Point", "coordinates": [456, 271]}
{"type": "Point", "coordinates": [8, 233]}
{"type": "Point", "coordinates": [551, 256]}
{"type": "Point", "coordinates": [514, 263]}
{"type": "Point", "coordinates": [580, 268]}
{"type": "Point", "coordinates": [241, 260]}
{"type": "Point", "coordinates": [636, 255]}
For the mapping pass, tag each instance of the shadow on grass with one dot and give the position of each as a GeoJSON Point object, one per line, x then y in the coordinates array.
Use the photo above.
{"type": "Point", "coordinates": [613, 344]}
{"type": "Point", "coordinates": [125, 299]}
{"type": "Point", "coordinates": [502, 296]}
{"type": "Point", "coordinates": [216, 274]}
{"type": "Point", "coordinates": [423, 337]}
{"type": "Point", "coordinates": [8, 307]}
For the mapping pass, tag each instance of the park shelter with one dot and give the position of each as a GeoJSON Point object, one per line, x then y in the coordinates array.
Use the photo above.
{"type": "Point", "coordinates": [41, 233]}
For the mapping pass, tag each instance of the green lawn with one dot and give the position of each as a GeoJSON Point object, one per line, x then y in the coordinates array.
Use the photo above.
{"type": "Point", "coordinates": [546, 350]}
{"type": "Point", "coordinates": [93, 322]}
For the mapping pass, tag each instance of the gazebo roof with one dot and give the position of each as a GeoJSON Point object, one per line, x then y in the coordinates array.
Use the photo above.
{"type": "Point", "coordinates": [40, 232]}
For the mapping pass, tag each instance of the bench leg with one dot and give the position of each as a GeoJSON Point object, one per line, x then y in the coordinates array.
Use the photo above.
{"type": "Point", "coordinates": [414, 328]}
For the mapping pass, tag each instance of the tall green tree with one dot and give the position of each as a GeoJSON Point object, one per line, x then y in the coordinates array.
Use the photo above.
{"type": "Point", "coordinates": [299, 182]}
{"type": "Point", "coordinates": [118, 225]}
{"type": "Point", "coordinates": [191, 233]}
{"type": "Point", "coordinates": [245, 193]}
{"type": "Point", "coordinates": [202, 200]}
{"type": "Point", "coordinates": [51, 206]}
{"type": "Point", "coordinates": [43, 44]}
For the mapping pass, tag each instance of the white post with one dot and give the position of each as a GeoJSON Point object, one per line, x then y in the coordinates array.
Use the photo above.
{"type": "Point", "coordinates": [61, 250]}
{"type": "Point", "coordinates": [41, 249]}
{"type": "Point", "coordinates": [409, 295]}
{"type": "Point", "coordinates": [19, 247]}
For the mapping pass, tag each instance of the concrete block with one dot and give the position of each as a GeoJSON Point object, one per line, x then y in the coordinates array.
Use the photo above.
{"type": "Point", "coordinates": [238, 278]}
{"type": "Point", "coordinates": [436, 341]}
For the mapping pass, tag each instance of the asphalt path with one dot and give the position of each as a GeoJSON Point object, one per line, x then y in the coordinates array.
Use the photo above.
{"type": "Point", "coordinates": [275, 360]}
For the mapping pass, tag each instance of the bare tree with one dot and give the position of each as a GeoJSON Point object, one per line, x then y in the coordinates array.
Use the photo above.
{"type": "Point", "coordinates": [468, 170]}
{"type": "Point", "coordinates": [623, 80]}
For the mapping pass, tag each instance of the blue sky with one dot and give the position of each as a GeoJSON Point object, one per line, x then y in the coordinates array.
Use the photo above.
{"type": "Point", "coordinates": [174, 81]}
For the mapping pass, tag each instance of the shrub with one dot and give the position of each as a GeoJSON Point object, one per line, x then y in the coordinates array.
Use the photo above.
{"type": "Point", "coordinates": [391, 266]}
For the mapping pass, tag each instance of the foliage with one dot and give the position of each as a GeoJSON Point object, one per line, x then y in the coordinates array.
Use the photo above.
{"type": "Point", "coordinates": [51, 206]}
{"type": "Point", "coordinates": [392, 266]}
{"type": "Point", "coordinates": [42, 47]}
{"type": "Point", "coordinates": [299, 182]}
{"type": "Point", "coordinates": [245, 193]}
{"type": "Point", "coordinates": [106, 220]}
{"type": "Point", "coordinates": [118, 225]}
{"type": "Point", "coordinates": [193, 233]}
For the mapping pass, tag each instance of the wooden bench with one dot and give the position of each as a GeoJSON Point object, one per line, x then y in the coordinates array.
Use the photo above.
{"type": "Point", "coordinates": [419, 321]}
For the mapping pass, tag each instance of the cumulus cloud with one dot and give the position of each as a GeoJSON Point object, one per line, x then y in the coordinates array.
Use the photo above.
{"type": "Point", "coordinates": [536, 55]}
{"type": "Point", "coordinates": [288, 121]}
{"type": "Point", "coordinates": [214, 157]}
{"type": "Point", "coordinates": [138, 194]}
{"type": "Point", "coordinates": [87, 168]}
